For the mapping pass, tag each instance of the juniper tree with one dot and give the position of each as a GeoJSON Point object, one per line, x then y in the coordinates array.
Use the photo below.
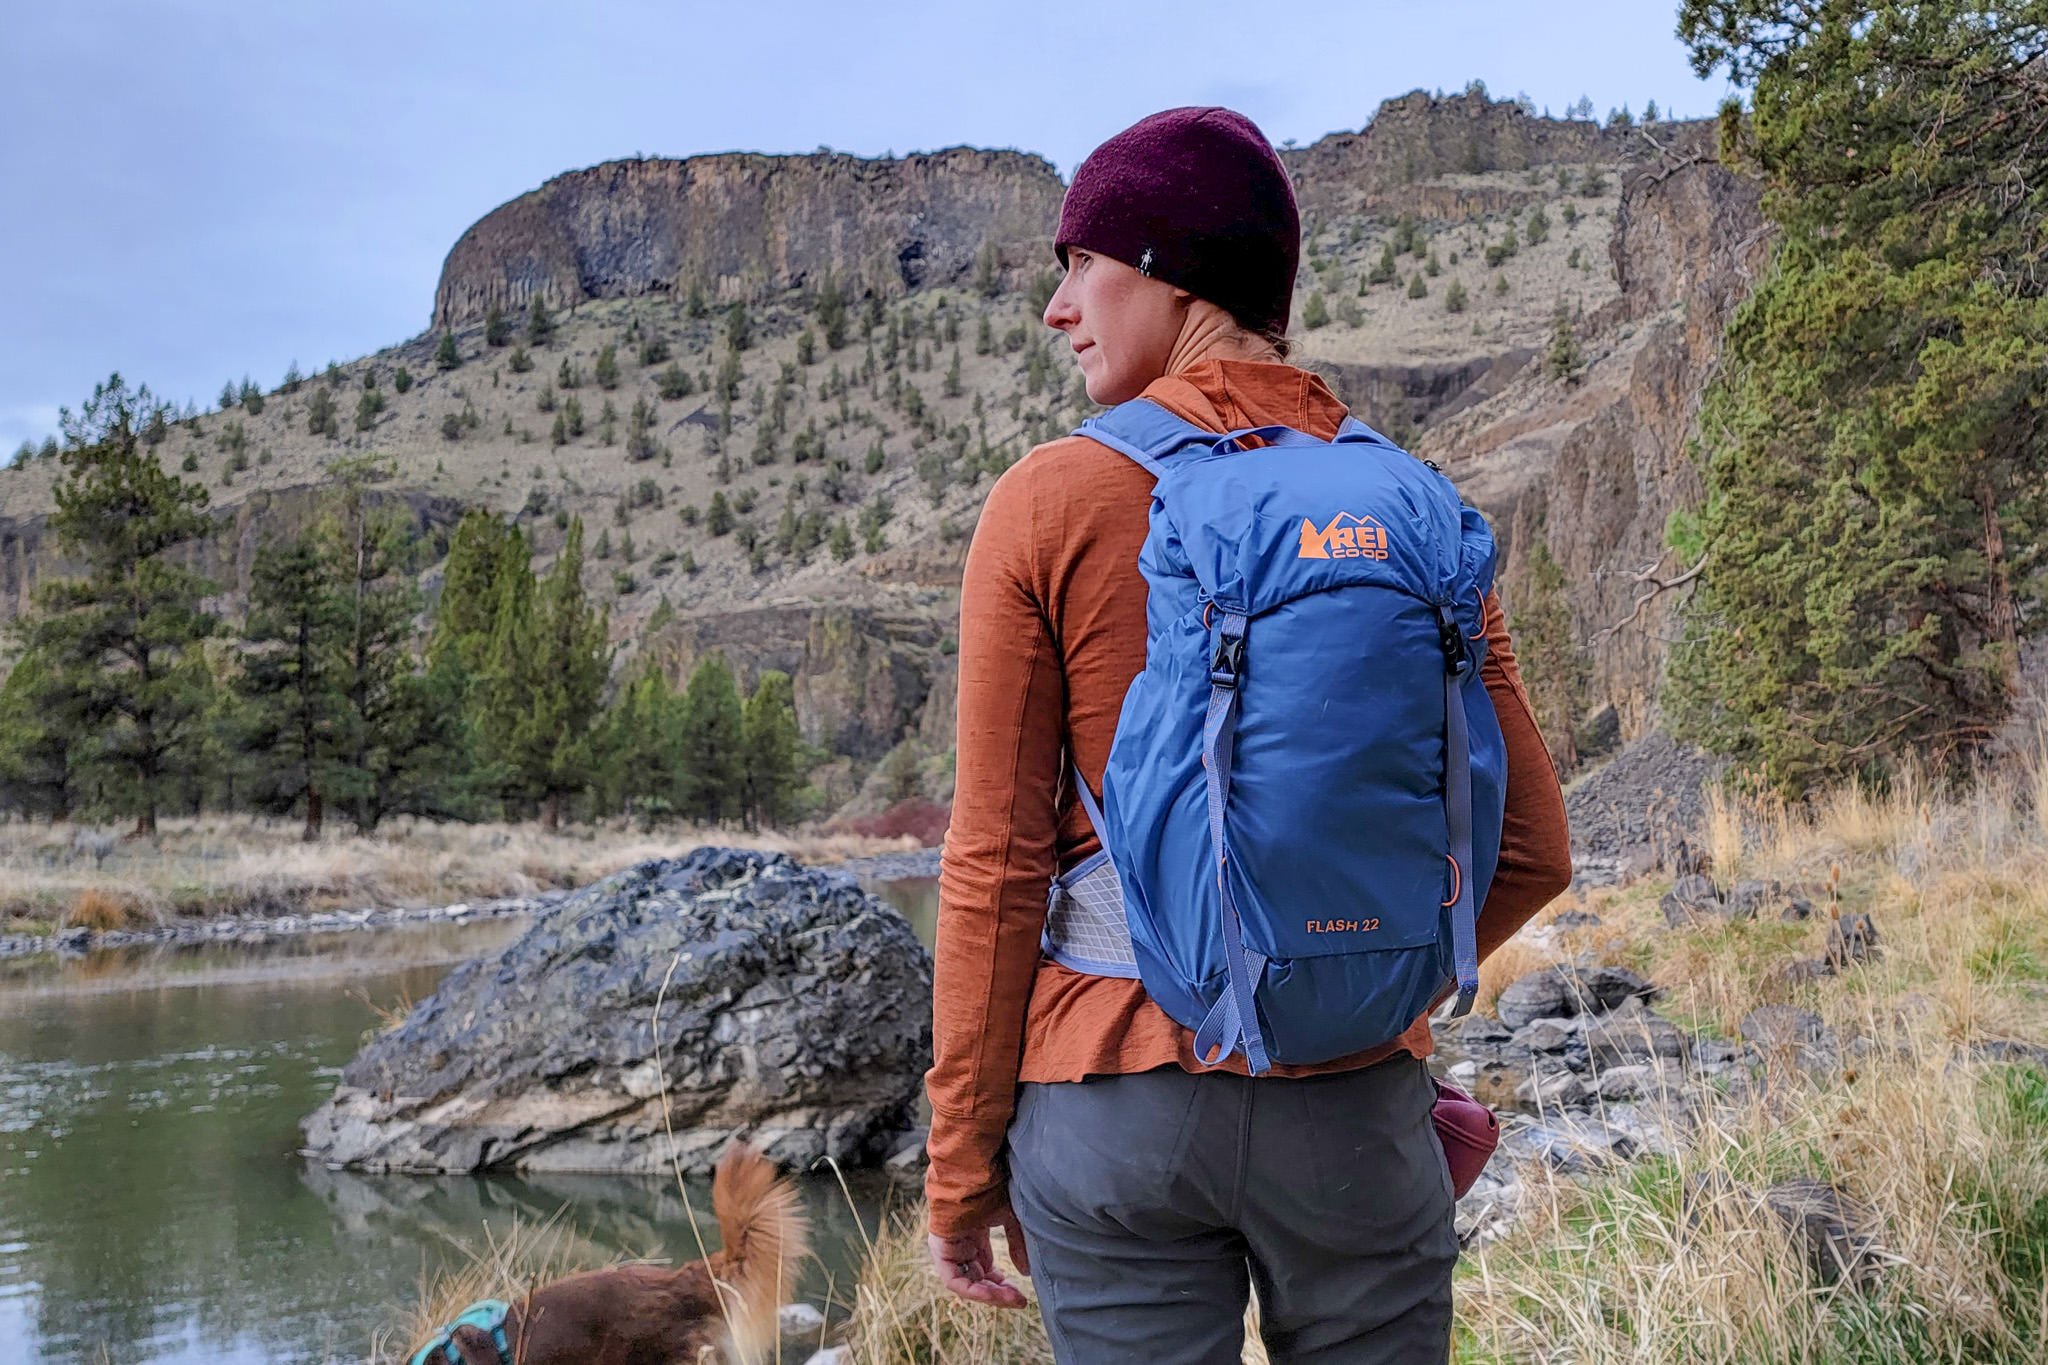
{"type": "Point", "coordinates": [446, 356]}
{"type": "Point", "coordinates": [1871, 440]}
{"type": "Point", "coordinates": [497, 331]}
{"type": "Point", "coordinates": [606, 370]}
{"type": "Point", "coordinates": [1315, 314]}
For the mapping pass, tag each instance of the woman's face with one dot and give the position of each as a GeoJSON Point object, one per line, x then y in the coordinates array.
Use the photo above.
{"type": "Point", "coordinates": [1122, 325]}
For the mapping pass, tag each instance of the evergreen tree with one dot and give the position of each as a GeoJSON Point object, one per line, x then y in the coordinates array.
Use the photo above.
{"type": "Point", "coordinates": [607, 367]}
{"type": "Point", "coordinates": [497, 331]}
{"type": "Point", "coordinates": [1563, 359]}
{"type": "Point", "coordinates": [124, 637]}
{"type": "Point", "coordinates": [540, 323]}
{"type": "Point", "coordinates": [552, 743]}
{"type": "Point", "coordinates": [35, 742]}
{"type": "Point", "coordinates": [1418, 288]}
{"type": "Point", "coordinates": [708, 778]}
{"type": "Point", "coordinates": [520, 361]}
{"type": "Point", "coordinates": [739, 333]}
{"type": "Point", "coordinates": [291, 706]}
{"type": "Point", "coordinates": [953, 387]}
{"type": "Point", "coordinates": [832, 313]}
{"type": "Point", "coordinates": [402, 380]}
{"type": "Point", "coordinates": [641, 741]}
{"type": "Point", "coordinates": [1455, 298]}
{"type": "Point", "coordinates": [1554, 666]}
{"type": "Point", "coordinates": [1383, 270]}
{"type": "Point", "coordinates": [771, 746]}
{"type": "Point", "coordinates": [320, 419]}
{"type": "Point", "coordinates": [446, 356]}
{"type": "Point", "coordinates": [673, 383]}
{"type": "Point", "coordinates": [1871, 440]}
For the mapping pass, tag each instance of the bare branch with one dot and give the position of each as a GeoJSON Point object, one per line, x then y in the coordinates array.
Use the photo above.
{"type": "Point", "coordinates": [1658, 587]}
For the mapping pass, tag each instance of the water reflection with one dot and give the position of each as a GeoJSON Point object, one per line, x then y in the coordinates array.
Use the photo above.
{"type": "Point", "coordinates": [152, 1205]}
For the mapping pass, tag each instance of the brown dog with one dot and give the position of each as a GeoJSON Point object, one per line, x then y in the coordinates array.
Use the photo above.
{"type": "Point", "coordinates": [646, 1315]}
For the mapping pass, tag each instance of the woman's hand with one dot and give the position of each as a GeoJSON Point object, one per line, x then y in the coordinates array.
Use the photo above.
{"type": "Point", "coordinates": [967, 1265]}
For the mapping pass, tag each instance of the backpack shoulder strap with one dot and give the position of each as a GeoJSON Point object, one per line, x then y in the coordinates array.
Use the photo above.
{"type": "Point", "coordinates": [1144, 432]}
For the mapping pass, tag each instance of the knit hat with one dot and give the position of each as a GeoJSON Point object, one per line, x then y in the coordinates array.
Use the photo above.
{"type": "Point", "coordinates": [1197, 197]}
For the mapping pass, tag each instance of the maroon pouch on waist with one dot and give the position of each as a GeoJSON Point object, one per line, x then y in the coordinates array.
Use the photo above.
{"type": "Point", "coordinates": [1468, 1131]}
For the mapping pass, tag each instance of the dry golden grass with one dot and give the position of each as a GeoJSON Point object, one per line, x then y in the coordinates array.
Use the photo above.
{"type": "Point", "coordinates": [101, 910]}
{"type": "Point", "coordinates": [243, 865]}
{"type": "Point", "coordinates": [1951, 1154]}
{"type": "Point", "coordinates": [507, 1266]}
{"type": "Point", "coordinates": [903, 1316]}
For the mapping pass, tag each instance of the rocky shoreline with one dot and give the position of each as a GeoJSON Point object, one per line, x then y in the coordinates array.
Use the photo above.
{"type": "Point", "coordinates": [260, 929]}
{"type": "Point", "coordinates": [255, 930]}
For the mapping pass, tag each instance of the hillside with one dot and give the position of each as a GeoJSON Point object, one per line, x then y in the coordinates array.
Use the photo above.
{"type": "Point", "coordinates": [852, 478]}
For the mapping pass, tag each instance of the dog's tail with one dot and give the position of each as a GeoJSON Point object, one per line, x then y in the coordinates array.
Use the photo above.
{"type": "Point", "coordinates": [766, 1238]}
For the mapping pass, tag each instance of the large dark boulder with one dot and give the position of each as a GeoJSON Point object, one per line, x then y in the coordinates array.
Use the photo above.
{"type": "Point", "coordinates": [795, 1012]}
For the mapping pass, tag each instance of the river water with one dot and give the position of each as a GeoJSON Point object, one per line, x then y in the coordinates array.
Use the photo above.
{"type": "Point", "coordinates": [152, 1205]}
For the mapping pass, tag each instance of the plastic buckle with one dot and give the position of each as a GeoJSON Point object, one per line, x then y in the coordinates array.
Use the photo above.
{"type": "Point", "coordinates": [1228, 665]}
{"type": "Point", "coordinates": [1449, 634]}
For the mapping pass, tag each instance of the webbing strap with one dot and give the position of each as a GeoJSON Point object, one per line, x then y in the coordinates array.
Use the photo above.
{"type": "Point", "coordinates": [1093, 811]}
{"type": "Point", "coordinates": [1228, 1027]}
{"type": "Point", "coordinates": [1458, 815]}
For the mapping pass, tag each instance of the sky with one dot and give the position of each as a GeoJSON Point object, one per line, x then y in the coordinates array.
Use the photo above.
{"type": "Point", "coordinates": [198, 190]}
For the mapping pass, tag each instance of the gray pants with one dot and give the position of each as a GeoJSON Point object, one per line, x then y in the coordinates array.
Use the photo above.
{"type": "Point", "coordinates": [1151, 1204]}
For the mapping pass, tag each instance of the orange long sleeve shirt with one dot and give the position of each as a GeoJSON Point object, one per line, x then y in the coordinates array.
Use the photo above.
{"type": "Point", "coordinates": [1052, 631]}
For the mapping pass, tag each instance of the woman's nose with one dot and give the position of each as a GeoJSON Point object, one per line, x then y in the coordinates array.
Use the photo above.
{"type": "Point", "coordinates": [1060, 311]}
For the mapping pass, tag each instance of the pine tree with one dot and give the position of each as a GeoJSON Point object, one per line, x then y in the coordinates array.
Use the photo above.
{"type": "Point", "coordinates": [739, 333]}
{"type": "Point", "coordinates": [553, 741]}
{"type": "Point", "coordinates": [708, 781]}
{"type": "Point", "coordinates": [497, 331]}
{"type": "Point", "coordinates": [36, 743]}
{"type": "Point", "coordinates": [446, 356]}
{"type": "Point", "coordinates": [607, 367]}
{"type": "Point", "coordinates": [1418, 288]}
{"type": "Point", "coordinates": [1316, 313]}
{"type": "Point", "coordinates": [771, 746]}
{"type": "Point", "coordinates": [289, 720]}
{"type": "Point", "coordinates": [520, 361]}
{"type": "Point", "coordinates": [540, 323]}
{"type": "Point", "coordinates": [1384, 269]}
{"type": "Point", "coordinates": [125, 636]}
{"type": "Point", "coordinates": [832, 313]}
{"type": "Point", "coordinates": [1455, 298]}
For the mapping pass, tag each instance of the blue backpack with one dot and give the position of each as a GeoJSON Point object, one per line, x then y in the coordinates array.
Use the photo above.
{"type": "Point", "coordinates": [1302, 807]}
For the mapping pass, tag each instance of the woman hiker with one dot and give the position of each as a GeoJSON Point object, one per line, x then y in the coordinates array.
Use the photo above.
{"type": "Point", "coordinates": [1145, 1192]}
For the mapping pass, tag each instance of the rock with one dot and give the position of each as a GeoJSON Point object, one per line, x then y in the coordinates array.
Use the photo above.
{"type": "Point", "coordinates": [1786, 1033]}
{"type": "Point", "coordinates": [1803, 971]}
{"type": "Point", "coordinates": [1746, 899]}
{"type": "Point", "coordinates": [1563, 991]}
{"type": "Point", "coordinates": [1462, 1074]}
{"type": "Point", "coordinates": [1796, 908]}
{"type": "Point", "coordinates": [1551, 1090]}
{"type": "Point", "coordinates": [1632, 1034]}
{"type": "Point", "coordinates": [1576, 919]}
{"type": "Point", "coordinates": [1600, 734]}
{"type": "Point", "coordinates": [802, 1329]}
{"type": "Point", "coordinates": [909, 1158]}
{"type": "Point", "coordinates": [1835, 1234]}
{"type": "Point", "coordinates": [1539, 994]}
{"type": "Point", "coordinates": [795, 1013]}
{"type": "Point", "coordinates": [1629, 1082]}
{"type": "Point", "coordinates": [831, 1355]}
{"type": "Point", "coordinates": [1690, 900]}
{"type": "Point", "coordinates": [1609, 987]}
{"type": "Point", "coordinates": [1477, 1030]}
{"type": "Point", "coordinates": [1548, 1035]}
{"type": "Point", "coordinates": [1852, 938]}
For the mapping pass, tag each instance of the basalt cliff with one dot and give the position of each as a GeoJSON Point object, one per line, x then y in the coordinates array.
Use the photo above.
{"type": "Point", "coordinates": [1441, 242]}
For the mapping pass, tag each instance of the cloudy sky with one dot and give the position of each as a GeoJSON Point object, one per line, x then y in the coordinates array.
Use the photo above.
{"type": "Point", "coordinates": [195, 190]}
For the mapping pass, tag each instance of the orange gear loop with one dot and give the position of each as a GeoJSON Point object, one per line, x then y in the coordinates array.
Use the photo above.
{"type": "Point", "coordinates": [1457, 881]}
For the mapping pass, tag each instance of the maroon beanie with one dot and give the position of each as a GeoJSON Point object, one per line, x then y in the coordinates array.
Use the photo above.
{"type": "Point", "coordinates": [1196, 197]}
